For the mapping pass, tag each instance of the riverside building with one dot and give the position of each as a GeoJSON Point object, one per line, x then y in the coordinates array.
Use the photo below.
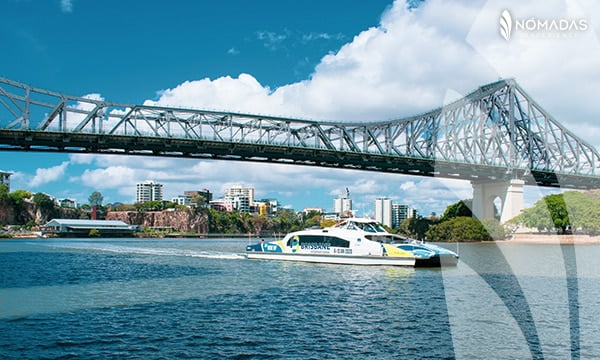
{"type": "Point", "coordinates": [239, 198]}
{"type": "Point", "coordinates": [383, 211]}
{"type": "Point", "coordinates": [149, 191]}
{"type": "Point", "coordinates": [343, 205]}
{"type": "Point", "coordinates": [401, 212]}
{"type": "Point", "coordinates": [392, 214]}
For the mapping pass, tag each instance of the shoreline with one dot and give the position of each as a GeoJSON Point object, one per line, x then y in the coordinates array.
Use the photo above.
{"type": "Point", "coordinates": [552, 239]}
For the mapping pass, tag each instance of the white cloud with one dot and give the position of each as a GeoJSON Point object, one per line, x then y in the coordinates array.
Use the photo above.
{"type": "Point", "coordinates": [44, 176]}
{"type": "Point", "coordinates": [66, 6]}
{"type": "Point", "coordinates": [322, 36]}
{"type": "Point", "coordinates": [271, 40]}
{"type": "Point", "coordinates": [110, 177]}
{"type": "Point", "coordinates": [409, 185]}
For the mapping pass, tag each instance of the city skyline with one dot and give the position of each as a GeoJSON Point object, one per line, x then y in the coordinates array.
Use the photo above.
{"type": "Point", "coordinates": [370, 61]}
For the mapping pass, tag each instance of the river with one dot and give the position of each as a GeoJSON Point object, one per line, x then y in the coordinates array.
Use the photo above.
{"type": "Point", "coordinates": [201, 299]}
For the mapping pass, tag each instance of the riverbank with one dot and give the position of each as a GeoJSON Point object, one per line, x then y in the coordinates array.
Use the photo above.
{"type": "Point", "coordinates": [553, 239]}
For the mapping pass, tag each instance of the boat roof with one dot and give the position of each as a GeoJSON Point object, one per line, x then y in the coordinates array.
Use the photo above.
{"type": "Point", "coordinates": [359, 220]}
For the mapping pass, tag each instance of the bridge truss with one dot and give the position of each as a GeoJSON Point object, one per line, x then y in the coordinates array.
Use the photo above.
{"type": "Point", "coordinates": [496, 133]}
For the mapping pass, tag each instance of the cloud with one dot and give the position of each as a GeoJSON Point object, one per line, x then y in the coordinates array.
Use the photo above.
{"type": "Point", "coordinates": [44, 176]}
{"type": "Point", "coordinates": [322, 36]}
{"type": "Point", "coordinates": [233, 51]}
{"type": "Point", "coordinates": [66, 6]}
{"type": "Point", "coordinates": [271, 40]}
{"type": "Point", "coordinates": [409, 185]}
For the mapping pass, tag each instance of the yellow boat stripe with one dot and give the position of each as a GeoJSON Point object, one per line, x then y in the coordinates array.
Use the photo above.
{"type": "Point", "coordinates": [391, 250]}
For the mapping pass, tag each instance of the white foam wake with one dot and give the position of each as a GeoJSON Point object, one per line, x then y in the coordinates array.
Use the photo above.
{"type": "Point", "coordinates": [121, 249]}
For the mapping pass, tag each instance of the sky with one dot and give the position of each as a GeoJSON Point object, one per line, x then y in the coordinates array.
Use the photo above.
{"type": "Point", "coordinates": [325, 60]}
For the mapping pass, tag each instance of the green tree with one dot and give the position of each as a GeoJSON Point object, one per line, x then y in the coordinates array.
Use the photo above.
{"type": "Point", "coordinates": [149, 206]}
{"type": "Point", "coordinates": [197, 200]}
{"type": "Point", "coordinates": [460, 208]}
{"type": "Point", "coordinates": [3, 192]}
{"type": "Point", "coordinates": [44, 205]}
{"type": "Point", "coordinates": [18, 196]}
{"type": "Point", "coordinates": [43, 201]}
{"type": "Point", "coordinates": [559, 211]}
{"type": "Point", "coordinates": [496, 230]}
{"type": "Point", "coordinates": [96, 199]}
{"type": "Point", "coordinates": [415, 227]}
{"type": "Point", "coordinates": [460, 228]}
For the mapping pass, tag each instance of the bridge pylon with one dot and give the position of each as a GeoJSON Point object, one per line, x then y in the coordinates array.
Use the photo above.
{"type": "Point", "coordinates": [509, 192]}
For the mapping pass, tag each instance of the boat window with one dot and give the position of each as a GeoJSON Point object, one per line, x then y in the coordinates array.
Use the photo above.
{"type": "Point", "coordinates": [378, 228]}
{"type": "Point", "coordinates": [331, 240]}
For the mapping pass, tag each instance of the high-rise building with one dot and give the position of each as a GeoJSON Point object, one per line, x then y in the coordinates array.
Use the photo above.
{"type": "Point", "coordinates": [240, 198]}
{"type": "Point", "coordinates": [401, 212]}
{"type": "Point", "coordinates": [383, 211]}
{"type": "Point", "coordinates": [149, 191]}
{"type": "Point", "coordinates": [5, 179]}
{"type": "Point", "coordinates": [342, 205]}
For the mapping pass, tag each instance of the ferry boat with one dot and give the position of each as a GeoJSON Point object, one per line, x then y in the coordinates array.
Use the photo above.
{"type": "Point", "coordinates": [345, 243]}
{"type": "Point", "coordinates": [426, 254]}
{"type": "Point", "coordinates": [353, 241]}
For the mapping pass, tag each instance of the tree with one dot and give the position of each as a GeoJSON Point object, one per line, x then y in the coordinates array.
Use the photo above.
{"type": "Point", "coordinates": [197, 200]}
{"type": "Point", "coordinates": [415, 227]}
{"type": "Point", "coordinates": [461, 208]}
{"type": "Point", "coordinates": [45, 207]}
{"type": "Point", "coordinates": [43, 201]}
{"type": "Point", "coordinates": [494, 228]}
{"type": "Point", "coordinates": [3, 191]}
{"type": "Point", "coordinates": [560, 211]}
{"type": "Point", "coordinates": [18, 196]}
{"type": "Point", "coordinates": [153, 205]}
{"type": "Point", "coordinates": [460, 228]}
{"type": "Point", "coordinates": [96, 199]}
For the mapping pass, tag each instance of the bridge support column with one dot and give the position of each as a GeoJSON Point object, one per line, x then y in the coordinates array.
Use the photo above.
{"type": "Point", "coordinates": [509, 193]}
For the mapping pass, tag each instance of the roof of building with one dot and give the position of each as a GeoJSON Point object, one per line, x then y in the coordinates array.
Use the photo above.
{"type": "Point", "coordinates": [81, 223]}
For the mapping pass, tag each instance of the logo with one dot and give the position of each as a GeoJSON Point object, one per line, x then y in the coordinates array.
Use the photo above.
{"type": "Point", "coordinates": [505, 24]}
{"type": "Point", "coordinates": [543, 28]}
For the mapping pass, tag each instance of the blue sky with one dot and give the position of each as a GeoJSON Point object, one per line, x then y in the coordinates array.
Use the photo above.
{"type": "Point", "coordinates": [338, 60]}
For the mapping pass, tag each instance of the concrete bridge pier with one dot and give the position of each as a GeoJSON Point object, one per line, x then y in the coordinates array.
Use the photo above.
{"type": "Point", "coordinates": [510, 195]}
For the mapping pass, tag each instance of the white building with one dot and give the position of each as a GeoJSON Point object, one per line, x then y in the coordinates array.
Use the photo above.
{"type": "Point", "coordinates": [240, 198]}
{"type": "Point", "coordinates": [149, 191]}
{"type": "Point", "coordinates": [383, 211]}
{"type": "Point", "coordinates": [342, 205]}
{"type": "Point", "coordinates": [401, 212]}
{"type": "Point", "coordinates": [181, 200]}
{"type": "Point", "coordinates": [315, 209]}
{"type": "Point", "coordinates": [66, 203]}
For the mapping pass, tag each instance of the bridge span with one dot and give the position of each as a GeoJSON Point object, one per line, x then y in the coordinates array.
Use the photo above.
{"type": "Point", "coordinates": [495, 135]}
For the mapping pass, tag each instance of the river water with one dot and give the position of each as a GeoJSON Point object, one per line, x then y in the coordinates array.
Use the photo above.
{"type": "Point", "coordinates": [201, 299]}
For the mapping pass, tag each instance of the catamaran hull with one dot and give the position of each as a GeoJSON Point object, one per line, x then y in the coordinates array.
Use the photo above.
{"type": "Point", "coordinates": [334, 259]}
{"type": "Point", "coordinates": [437, 261]}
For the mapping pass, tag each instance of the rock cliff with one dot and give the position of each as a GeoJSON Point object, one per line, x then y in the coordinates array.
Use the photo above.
{"type": "Point", "coordinates": [178, 220]}
{"type": "Point", "coordinates": [11, 214]}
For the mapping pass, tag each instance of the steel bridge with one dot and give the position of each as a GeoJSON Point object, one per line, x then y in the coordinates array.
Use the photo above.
{"type": "Point", "coordinates": [496, 133]}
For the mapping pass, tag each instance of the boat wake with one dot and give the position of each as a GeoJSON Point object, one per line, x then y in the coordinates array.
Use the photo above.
{"type": "Point", "coordinates": [120, 249]}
